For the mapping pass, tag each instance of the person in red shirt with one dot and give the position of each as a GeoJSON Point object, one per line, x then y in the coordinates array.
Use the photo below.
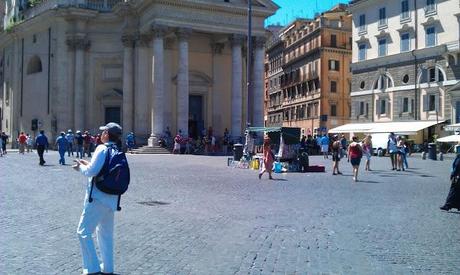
{"type": "Point", "coordinates": [22, 139]}
{"type": "Point", "coordinates": [355, 153]}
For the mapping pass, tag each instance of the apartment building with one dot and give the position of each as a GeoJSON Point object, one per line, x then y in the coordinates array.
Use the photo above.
{"type": "Point", "coordinates": [406, 62]}
{"type": "Point", "coordinates": [311, 76]}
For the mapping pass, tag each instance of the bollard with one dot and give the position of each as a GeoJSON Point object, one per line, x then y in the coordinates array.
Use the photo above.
{"type": "Point", "coordinates": [441, 156]}
{"type": "Point", "coordinates": [423, 155]}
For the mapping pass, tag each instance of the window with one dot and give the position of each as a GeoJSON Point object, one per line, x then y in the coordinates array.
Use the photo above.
{"type": "Point", "coordinates": [361, 85]}
{"type": "Point", "coordinates": [34, 65]}
{"type": "Point", "coordinates": [383, 82]}
{"type": "Point", "coordinates": [405, 78]}
{"type": "Point", "coordinates": [362, 52]}
{"type": "Point", "coordinates": [405, 107]}
{"type": "Point", "coordinates": [361, 108]}
{"type": "Point", "coordinates": [432, 103]}
{"type": "Point", "coordinates": [383, 105]}
{"type": "Point", "coordinates": [333, 87]}
{"type": "Point", "coordinates": [334, 65]}
{"type": "Point", "coordinates": [333, 110]}
{"type": "Point", "coordinates": [433, 75]}
{"type": "Point", "coordinates": [430, 36]}
{"type": "Point", "coordinates": [382, 47]}
{"type": "Point", "coordinates": [362, 23]}
{"type": "Point", "coordinates": [333, 40]}
{"type": "Point", "coordinates": [430, 6]}
{"type": "Point", "coordinates": [405, 9]}
{"type": "Point", "coordinates": [405, 42]}
{"type": "Point", "coordinates": [382, 17]}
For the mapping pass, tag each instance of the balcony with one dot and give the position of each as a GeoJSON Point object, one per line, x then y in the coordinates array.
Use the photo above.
{"type": "Point", "coordinates": [44, 5]}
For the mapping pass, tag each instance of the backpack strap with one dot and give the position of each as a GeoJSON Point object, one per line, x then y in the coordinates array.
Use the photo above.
{"type": "Point", "coordinates": [106, 163]}
{"type": "Point", "coordinates": [118, 203]}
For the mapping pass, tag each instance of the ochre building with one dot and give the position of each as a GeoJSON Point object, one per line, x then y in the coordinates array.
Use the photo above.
{"type": "Point", "coordinates": [308, 75]}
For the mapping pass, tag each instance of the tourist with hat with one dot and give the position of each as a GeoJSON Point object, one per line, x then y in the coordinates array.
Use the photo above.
{"type": "Point", "coordinates": [70, 138]}
{"type": "Point", "coordinates": [62, 145]}
{"type": "Point", "coordinates": [98, 212]}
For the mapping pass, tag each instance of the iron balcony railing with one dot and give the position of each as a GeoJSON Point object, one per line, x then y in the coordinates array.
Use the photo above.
{"type": "Point", "coordinates": [44, 5]}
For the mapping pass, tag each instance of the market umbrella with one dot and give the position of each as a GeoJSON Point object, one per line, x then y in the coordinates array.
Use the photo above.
{"type": "Point", "coordinates": [452, 138]}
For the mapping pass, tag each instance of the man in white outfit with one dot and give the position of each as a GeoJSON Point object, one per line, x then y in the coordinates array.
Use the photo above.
{"type": "Point", "coordinates": [98, 215]}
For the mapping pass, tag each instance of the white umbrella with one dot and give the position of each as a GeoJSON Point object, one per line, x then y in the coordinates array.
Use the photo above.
{"type": "Point", "coordinates": [452, 138]}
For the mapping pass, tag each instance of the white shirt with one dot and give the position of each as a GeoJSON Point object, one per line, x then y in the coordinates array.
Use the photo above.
{"type": "Point", "coordinates": [91, 170]}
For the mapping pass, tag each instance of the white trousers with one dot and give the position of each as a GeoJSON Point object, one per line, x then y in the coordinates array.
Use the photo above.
{"type": "Point", "coordinates": [96, 216]}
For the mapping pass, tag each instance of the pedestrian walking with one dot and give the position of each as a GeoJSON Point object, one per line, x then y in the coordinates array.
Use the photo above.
{"type": "Point", "coordinates": [392, 149]}
{"type": "Point", "coordinates": [1, 146]}
{"type": "Point", "coordinates": [226, 141]}
{"type": "Point", "coordinates": [62, 145]}
{"type": "Point", "coordinates": [325, 146]}
{"type": "Point", "coordinates": [87, 138]}
{"type": "Point", "coordinates": [336, 148]}
{"type": "Point", "coordinates": [79, 141]}
{"type": "Point", "coordinates": [29, 144]}
{"type": "Point", "coordinates": [453, 198]}
{"type": "Point", "coordinates": [355, 154]}
{"type": "Point", "coordinates": [367, 151]}
{"type": "Point", "coordinates": [401, 154]}
{"type": "Point", "coordinates": [99, 207]}
{"type": "Point", "coordinates": [22, 141]}
{"type": "Point", "coordinates": [5, 138]}
{"type": "Point", "coordinates": [268, 159]}
{"type": "Point", "coordinates": [177, 142]}
{"type": "Point", "coordinates": [344, 143]}
{"type": "Point", "coordinates": [42, 144]}
{"type": "Point", "coordinates": [70, 140]}
{"type": "Point", "coordinates": [130, 142]}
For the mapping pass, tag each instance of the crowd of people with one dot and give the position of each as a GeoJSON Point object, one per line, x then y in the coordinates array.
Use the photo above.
{"type": "Point", "coordinates": [79, 144]}
{"type": "Point", "coordinates": [355, 150]}
{"type": "Point", "coordinates": [206, 143]}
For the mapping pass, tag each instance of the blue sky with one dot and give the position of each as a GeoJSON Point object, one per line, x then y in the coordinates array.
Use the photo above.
{"type": "Point", "coordinates": [292, 9]}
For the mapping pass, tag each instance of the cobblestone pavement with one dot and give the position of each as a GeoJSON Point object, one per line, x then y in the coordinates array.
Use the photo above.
{"type": "Point", "coordinates": [195, 215]}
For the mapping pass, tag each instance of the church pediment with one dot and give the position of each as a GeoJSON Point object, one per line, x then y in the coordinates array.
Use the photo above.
{"type": "Point", "coordinates": [204, 15]}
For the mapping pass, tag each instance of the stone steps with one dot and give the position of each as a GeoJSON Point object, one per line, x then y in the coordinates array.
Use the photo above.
{"type": "Point", "coordinates": [151, 150]}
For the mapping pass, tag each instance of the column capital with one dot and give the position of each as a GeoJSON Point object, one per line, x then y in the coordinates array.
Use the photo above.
{"type": "Point", "coordinates": [129, 39]}
{"type": "Point", "coordinates": [183, 33]}
{"type": "Point", "coordinates": [217, 47]}
{"type": "Point", "coordinates": [78, 42]}
{"type": "Point", "coordinates": [259, 41]}
{"type": "Point", "coordinates": [237, 39]}
{"type": "Point", "coordinates": [158, 31]}
{"type": "Point", "coordinates": [144, 40]}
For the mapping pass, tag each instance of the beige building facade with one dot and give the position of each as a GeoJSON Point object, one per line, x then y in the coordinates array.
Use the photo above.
{"type": "Point", "coordinates": [146, 64]}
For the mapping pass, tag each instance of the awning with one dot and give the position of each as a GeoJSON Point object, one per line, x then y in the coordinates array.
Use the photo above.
{"type": "Point", "coordinates": [452, 138]}
{"type": "Point", "coordinates": [452, 127]}
{"type": "Point", "coordinates": [408, 127]}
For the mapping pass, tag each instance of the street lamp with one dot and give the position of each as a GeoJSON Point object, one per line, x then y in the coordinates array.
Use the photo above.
{"type": "Point", "coordinates": [249, 64]}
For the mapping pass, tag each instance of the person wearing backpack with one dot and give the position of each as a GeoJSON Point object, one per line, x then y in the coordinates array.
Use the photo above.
{"type": "Point", "coordinates": [108, 178]}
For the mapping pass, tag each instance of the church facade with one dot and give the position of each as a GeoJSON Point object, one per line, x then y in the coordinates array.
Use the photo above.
{"type": "Point", "coordinates": [147, 64]}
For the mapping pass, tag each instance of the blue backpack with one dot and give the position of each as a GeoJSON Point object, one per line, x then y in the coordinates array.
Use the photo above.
{"type": "Point", "coordinates": [114, 176]}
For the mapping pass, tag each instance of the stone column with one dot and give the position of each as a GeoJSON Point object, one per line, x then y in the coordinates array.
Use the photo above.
{"type": "Point", "coordinates": [183, 82]}
{"type": "Point", "coordinates": [237, 88]}
{"type": "Point", "coordinates": [258, 90]}
{"type": "Point", "coordinates": [157, 111]}
{"type": "Point", "coordinates": [141, 87]}
{"type": "Point", "coordinates": [128, 40]}
{"type": "Point", "coordinates": [80, 44]}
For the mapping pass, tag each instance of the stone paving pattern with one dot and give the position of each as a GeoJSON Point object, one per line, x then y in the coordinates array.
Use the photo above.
{"type": "Point", "coordinates": [195, 215]}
